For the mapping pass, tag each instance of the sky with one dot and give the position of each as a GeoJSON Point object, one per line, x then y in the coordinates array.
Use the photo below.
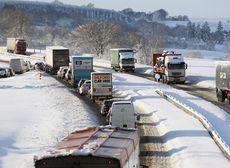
{"type": "Point", "coordinates": [191, 8]}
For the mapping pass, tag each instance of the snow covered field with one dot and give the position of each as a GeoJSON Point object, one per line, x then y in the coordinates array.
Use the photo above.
{"type": "Point", "coordinates": [34, 114]}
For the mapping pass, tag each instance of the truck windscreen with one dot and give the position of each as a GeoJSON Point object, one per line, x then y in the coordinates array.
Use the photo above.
{"type": "Point", "coordinates": [176, 66]}
{"type": "Point", "coordinates": [126, 55]}
{"type": "Point", "coordinates": [127, 61]}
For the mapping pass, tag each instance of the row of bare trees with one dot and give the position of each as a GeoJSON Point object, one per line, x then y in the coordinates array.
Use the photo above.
{"type": "Point", "coordinates": [92, 37]}
{"type": "Point", "coordinates": [98, 37]}
{"type": "Point", "coordinates": [14, 22]}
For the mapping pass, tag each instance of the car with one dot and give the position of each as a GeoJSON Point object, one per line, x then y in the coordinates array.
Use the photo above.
{"type": "Point", "coordinates": [11, 71]}
{"type": "Point", "coordinates": [28, 65]}
{"type": "Point", "coordinates": [80, 83]}
{"type": "Point", "coordinates": [61, 72]}
{"type": "Point", "coordinates": [85, 87]}
{"type": "Point", "coordinates": [39, 66]}
{"type": "Point", "coordinates": [4, 72]}
{"type": "Point", "coordinates": [106, 104]}
{"type": "Point", "coordinates": [68, 74]}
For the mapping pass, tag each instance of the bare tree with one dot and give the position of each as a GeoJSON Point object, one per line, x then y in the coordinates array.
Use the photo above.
{"type": "Point", "coordinates": [97, 35]}
{"type": "Point", "coordinates": [15, 22]}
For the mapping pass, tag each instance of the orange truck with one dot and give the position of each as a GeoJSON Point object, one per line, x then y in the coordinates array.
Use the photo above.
{"type": "Point", "coordinates": [169, 67]}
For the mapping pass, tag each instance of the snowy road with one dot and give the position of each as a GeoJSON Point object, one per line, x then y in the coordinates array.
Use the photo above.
{"type": "Point", "coordinates": [185, 138]}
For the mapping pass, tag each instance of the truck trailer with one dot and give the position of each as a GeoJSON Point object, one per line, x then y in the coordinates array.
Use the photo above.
{"type": "Point", "coordinates": [223, 81]}
{"type": "Point", "coordinates": [95, 147]}
{"type": "Point", "coordinates": [56, 56]}
{"type": "Point", "coordinates": [81, 68]}
{"type": "Point", "coordinates": [101, 85]}
{"type": "Point", "coordinates": [169, 66]}
{"type": "Point", "coordinates": [16, 45]}
{"type": "Point", "coordinates": [122, 59]}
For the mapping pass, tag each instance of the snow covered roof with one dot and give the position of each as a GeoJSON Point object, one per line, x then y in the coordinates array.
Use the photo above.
{"type": "Point", "coordinates": [105, 142]}
{"type": "Point", "coordinates": [83, 56]}
{"type": "Point", "coordinates": [56, 47]}
{"type": "Point", "coordinates": [121, 49]}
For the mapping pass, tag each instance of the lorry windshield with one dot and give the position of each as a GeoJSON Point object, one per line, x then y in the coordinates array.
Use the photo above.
{"type": "Point", "coordinates": [126, 55]}
{"type": "Point", "coordinates": [176, 66]}
{"type": "Point", "coordinates": [127, 61]}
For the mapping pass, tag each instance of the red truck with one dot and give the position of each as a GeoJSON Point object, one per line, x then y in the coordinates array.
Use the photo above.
{"type": "Point", "coordinates": [16, 45]}
{"type": "Point", "coordinates": [169, 66]}
{"type": "Point", "coordinates": [95, 147]}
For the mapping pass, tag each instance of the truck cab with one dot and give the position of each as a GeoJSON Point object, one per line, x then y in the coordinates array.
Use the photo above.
{"type": "Point", "coordinates": [170, 66]}
{"type": "Point", "coordinates": [122, 59]}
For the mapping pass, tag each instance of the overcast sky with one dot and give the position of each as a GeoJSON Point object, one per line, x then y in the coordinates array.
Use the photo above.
{"type": "Point", "coordinates": [191, 8]}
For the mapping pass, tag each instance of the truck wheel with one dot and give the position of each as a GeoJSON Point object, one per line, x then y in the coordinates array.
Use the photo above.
{"type": "Point", "coordinates": [220, 96]}
{"type": "Point", "coordinates": [164, 79]}
{"type": "Point", "coordinates": [92, 98]}
{"type": "Point", "coordinates": [182, 82]}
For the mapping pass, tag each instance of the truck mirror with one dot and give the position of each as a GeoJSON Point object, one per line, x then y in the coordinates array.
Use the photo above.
{"type": "Point", "coordinates": [186, 66]}
{"type": "Point", "coordinates": [135, 60]}
{"type": "Point", "coordinates": [138, 117]}
{"type": "Point", "coordinates": [157, 76]}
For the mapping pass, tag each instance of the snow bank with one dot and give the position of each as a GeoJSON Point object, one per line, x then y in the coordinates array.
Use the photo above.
{"type": "Point", "coordinates": [34, 115]}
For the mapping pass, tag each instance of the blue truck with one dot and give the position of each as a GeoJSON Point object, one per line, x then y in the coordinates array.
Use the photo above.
{"type": "Point", "coordinates": [81, 68]}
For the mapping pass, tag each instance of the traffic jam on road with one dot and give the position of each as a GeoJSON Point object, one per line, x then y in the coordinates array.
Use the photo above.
{"type": "Point", "coordinates": [120, 115]}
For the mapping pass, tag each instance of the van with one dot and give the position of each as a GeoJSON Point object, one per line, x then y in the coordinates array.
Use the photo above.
{"type": "Point", "coordinates": [18, 65]}
{"type": "Point", "coordinates": [122, 115]}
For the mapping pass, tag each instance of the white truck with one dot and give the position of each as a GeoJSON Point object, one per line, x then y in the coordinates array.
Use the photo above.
{"type": "Point", "coordinates": [122, 59]}
{"type": "Point", "coordinates": [101, 85]}
{"type": "Point", "coordinates": [170, 67]}
{"type": "Point", "coordinates": [56, 56]}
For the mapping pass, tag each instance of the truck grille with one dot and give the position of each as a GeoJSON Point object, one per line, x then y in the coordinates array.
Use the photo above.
{"type": "Point", "coordinates": [176, 73]}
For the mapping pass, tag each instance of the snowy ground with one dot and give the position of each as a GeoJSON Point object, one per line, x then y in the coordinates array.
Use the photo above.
{"type": "Point", "coordinates": [34, 115]}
